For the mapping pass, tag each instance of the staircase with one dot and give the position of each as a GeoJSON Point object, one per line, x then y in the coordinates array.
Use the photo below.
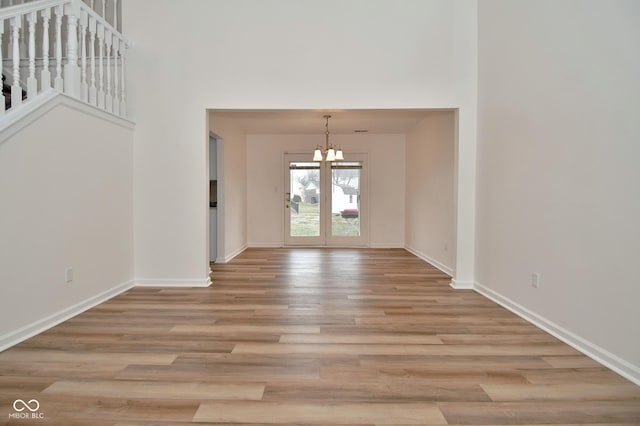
{"type": "Point", "coordinates": [63, 46]}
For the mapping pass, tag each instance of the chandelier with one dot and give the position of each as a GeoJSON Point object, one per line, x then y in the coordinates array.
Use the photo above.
{"type": "Point", "coordinates": [330, 154]}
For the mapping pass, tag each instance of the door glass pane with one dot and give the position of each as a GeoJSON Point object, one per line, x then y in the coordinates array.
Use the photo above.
{"type": "Point", "coordinates": [304, 178]}
{"type": "Point", "coordinates": [345, 198]}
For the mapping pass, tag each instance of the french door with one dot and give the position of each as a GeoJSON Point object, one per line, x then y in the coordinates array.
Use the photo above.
{"type": "Point", "coordinates": [325, 202]}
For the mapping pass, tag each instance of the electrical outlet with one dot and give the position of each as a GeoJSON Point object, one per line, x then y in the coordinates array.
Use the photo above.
{"type": "Point", "coordinates": [535, 280]}
{"type": "Point", "coordinates": [68, 274]}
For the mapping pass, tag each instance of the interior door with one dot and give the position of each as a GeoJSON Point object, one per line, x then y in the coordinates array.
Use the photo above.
{"type": "Point", "coordinates": [325, 202]}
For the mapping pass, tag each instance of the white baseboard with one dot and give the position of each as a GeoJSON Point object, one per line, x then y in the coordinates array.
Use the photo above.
{"type": "Point", "coordinates": [461, 285]}
{"type": "Point", "coordinates": [386, 246]}
{"type": "Point", "coordinates": [444, 268]}
{"type": "Point", "coordinates": [176, 282]}
{"type": "Point", "coordinates": [37, 327]}
{"type": "Point", "coordinates": [229, 257]}
{"type": "Point", "coordinates": [263, 245]}
{"type": "Point", "coordinates": [617, 364]}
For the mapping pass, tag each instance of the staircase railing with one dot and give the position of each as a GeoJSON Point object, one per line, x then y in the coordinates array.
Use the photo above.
{"type": "Point", "coordinates": [62, 45]}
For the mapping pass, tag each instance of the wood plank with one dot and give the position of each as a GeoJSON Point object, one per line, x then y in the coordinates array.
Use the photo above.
{"type": "Point", "coordinates": [542, 413]}
{"type": "Point", "coordinates": [154, 389]}
{"type": "Point", "coordinates": [385, 339]}
{"type": "Point", "coordinates": [234, 329]}
{"type": "Point", "coordinates": [390, 349]}
{"type": "Point", "coordinates": [571, 392]}
{"type": "Point", "coordinates": [91, 356]}
{"type": "Point", "coordinates": [319, 414]}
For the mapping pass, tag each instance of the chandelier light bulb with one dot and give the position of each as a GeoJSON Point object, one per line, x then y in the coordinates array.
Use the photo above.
{"type": "Point", "coordinates": [331, 154]}
{"type": "Point", "coordinates": [317, 154]}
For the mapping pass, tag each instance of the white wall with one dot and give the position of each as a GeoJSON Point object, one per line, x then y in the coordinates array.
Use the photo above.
{"type": "Point", "coordinates": [558, 175]}
{"type": "Point", "coordinates": [430, 200]}
{"type": "Point", "coordinates": [255, 54]}
{"type": "Point", "coordinates": [66, 191]}
{"type": "Point", "coordinates": [265, 179]}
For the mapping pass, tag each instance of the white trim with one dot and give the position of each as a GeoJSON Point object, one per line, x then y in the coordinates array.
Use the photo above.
{"type": "Point", "coordinates": [41, 325]}
{"type": "Point", "coordinates": [444, 268]}
{"type": "Point", "coordinates": [32, 109]}
{"type": "Point", "coordinates": [229, 257]}
{"type": "Point", "coordinates": [175, 282]}
{"type": "Point", "coordinates": [461, 285]}
{"type": "Point", "coordinates": [96, 112]}
{"type": "Point", "coordinates": [387, 246]}
{"type": "Point", "coordinates": [617, 364]}
{"type": "Point", "coordinates": [264, 245]}
{"type": "Point", "coordinates": [9, 12]}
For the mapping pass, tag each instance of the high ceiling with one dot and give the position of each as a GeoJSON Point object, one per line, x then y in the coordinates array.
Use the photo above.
{"type": "Point", "coordinates": [396, 121]}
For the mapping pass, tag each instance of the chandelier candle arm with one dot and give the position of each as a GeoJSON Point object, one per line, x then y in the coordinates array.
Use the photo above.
{"type": "Point", "coordinates": [330, 154]}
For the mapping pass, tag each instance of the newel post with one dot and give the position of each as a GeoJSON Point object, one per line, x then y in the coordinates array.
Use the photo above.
{"type": "Point", "coordinates": [71, 70]}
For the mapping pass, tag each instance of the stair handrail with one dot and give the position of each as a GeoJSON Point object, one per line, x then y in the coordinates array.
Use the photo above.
{"type": "Point", "coordinates": [24, 8]}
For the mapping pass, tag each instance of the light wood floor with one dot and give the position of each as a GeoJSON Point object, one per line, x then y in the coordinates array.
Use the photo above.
{"type": "Point", "coordinates": [309, 336]}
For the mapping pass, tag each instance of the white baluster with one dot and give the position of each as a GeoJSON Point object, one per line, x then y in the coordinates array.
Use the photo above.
{"type": "Point", "coordinates": [100, 66]}
{"type": "Point", "coordinates": [116, 100]}
{"type": "Point", "coordinates": [1, 94]}
{"type": "Point", "coordinates": [93, 94]}
{"type": "Point", "coordinates": [57, 82]}
{"type": "Point", "coordinates": [32, 82]}
{"type": "Point", "coordinates": [115, 14]}
{"type": "Point", "coordinates": [104, 10]}
{"type": "Point", "coordinates": [71, 69]}
{"type": "Point", "coordinates": [16, 90]}
{"type": "Point", "coordinates": [45, 74]}
{"type": "Point", "coordinates": [108, 99]}
{"type": "Point", "coordinates": [123, 104]}
{"type": "Point", "coordinates": [84, 87]}
{"type": "Point", "coordinates": [23, 36]}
